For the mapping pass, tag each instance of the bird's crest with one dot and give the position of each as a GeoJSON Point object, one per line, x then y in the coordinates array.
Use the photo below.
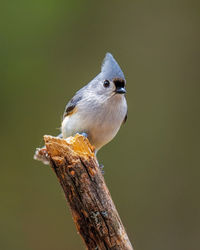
{"type": "Point", "coordinates": [110, 68]}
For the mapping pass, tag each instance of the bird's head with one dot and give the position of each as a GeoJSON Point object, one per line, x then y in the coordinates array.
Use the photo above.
{"type": "Point", "coordinates": [111, 81]}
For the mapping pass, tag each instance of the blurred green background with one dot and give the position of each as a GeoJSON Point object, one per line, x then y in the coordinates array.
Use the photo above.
{"type": "Point", "coordinates": [49, 49]}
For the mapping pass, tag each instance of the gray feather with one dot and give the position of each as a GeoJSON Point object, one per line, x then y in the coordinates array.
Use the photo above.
{"type": "Point", "coordinates": [72, 104]}
{"type": "Point", "coordinates": [125, 118]}
{"type": "Point", "coordinates": [110, 68]}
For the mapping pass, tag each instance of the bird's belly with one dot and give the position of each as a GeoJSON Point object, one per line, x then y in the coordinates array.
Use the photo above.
{"type": "Point", "coordinates": [101, 135]}
{"type": "Point", "coordinates": [99, 132]}
{"type": "Point", "coordinates": [73, 124]}
{"type": "Point", "coordinates": [101, 126]}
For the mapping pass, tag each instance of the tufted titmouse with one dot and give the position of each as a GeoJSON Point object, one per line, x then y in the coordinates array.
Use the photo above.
{"type": "Point", "coordinates": [98, 109]}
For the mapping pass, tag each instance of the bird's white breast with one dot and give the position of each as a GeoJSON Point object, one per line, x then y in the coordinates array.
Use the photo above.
{"type": "Point", "coordinates": [100, 122]}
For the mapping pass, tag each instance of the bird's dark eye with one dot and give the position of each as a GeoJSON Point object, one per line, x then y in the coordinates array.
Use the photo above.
{"type": "Point", "coordinates": [106, 83]}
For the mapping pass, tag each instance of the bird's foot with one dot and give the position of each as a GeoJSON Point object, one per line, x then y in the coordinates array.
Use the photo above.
{"type": "Point", "coordinates": [101, 166]}
{"type": "Point", "coordinates": [83, 134]}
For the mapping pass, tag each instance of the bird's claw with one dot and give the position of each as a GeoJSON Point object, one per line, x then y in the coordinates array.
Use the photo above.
{"type": "Point", "coordinates": [83, 134]}
{"type": "Point", "coordinates": [101, 166]}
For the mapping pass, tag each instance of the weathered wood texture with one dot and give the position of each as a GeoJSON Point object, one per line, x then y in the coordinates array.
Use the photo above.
{"type": "Point", "coordinates": [93, 210]}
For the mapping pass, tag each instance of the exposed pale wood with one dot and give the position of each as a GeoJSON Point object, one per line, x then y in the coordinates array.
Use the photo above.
{"type": "Point", "coordinates": [93, 211]}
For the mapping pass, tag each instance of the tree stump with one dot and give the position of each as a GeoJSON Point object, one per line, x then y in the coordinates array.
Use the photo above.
{"type": "Point", "coordinates": [93, 211]}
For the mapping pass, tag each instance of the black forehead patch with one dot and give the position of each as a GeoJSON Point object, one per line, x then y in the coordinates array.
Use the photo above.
{"type": "Point", "coordinates": [119, 82]}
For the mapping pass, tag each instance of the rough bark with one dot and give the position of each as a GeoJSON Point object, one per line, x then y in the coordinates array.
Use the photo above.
{"type": "Point", "coordinates": [93, 211]}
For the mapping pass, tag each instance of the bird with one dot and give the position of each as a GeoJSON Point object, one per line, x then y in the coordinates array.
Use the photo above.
{"type": "Point", "coordinates": [98, 109]}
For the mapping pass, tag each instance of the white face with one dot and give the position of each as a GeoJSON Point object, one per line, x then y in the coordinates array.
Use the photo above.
{"type": "Point", "coordinates": [109, 88]}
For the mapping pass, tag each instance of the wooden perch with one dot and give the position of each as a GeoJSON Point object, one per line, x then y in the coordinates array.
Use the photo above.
{"type": "Point", "coordinates": [94, 213]}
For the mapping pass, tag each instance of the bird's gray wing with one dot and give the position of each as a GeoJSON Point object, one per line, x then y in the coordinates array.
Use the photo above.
{"type": "Point", "coordinates": [125, 118]}
{"type": "Point", "coordinates": [71, 106]}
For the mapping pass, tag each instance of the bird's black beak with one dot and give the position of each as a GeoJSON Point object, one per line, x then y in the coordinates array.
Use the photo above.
{"type": "Point", "coordinates": [120, 90]}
